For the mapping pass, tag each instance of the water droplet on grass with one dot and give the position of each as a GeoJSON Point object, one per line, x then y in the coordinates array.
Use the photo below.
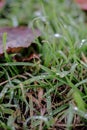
{"type": "Point", "coordinates": [57, 35]}
{"type": "Point", "coordinates": [85, 116]}
{"type": "Point", "coordinates": [44, 76]}
{"type": "Point", "coordinates": [38, 13]}
{"type": "Point", "coordinates": [83, 42]}
{"type": "Point", "coordinates": [75, 108]}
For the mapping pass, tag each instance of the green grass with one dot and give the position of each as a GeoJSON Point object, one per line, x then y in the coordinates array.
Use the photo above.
{"type": "Point", "coordinates": [49, 93]}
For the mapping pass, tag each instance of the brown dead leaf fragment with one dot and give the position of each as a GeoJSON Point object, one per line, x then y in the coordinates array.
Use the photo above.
{"type": "Point", "coordinates": [17, 38]}
{"type": "Point", "coordinates": [40, 94]}
{"type": "Point", "coordinates": [32, 56]}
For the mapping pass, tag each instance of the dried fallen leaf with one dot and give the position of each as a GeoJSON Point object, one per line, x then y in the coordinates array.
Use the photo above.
{"type": "Point", "coordinates": [2, 3]}
{"type": "Point", "coordinates": [17, 38]}
{"type": "Point", "coordinates": [82, 4]}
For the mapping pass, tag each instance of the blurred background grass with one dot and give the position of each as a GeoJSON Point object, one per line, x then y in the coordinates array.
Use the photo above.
{"type": "Point", "coordinates": [20, 12]}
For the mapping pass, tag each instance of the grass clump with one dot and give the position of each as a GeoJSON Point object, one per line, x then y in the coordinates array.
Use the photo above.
{"type": "Point", "coordinates": [49, 92]}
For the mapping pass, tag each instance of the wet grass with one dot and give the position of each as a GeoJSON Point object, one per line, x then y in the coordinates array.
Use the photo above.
{"type": "Point", "coordinates": [49, 92]}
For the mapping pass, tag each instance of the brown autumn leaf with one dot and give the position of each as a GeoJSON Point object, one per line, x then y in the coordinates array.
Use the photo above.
{"type": "Point", "coordinates": [2, 3]}
{"type": "Point", "coordinates": [82, 4]}
{"type": "Point", "coordinates": [17, 38]}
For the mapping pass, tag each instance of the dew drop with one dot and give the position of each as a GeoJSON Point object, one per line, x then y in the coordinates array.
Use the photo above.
{"type": "Point", "coordinates": [83, 42]}
{"type": "Point", "coordinates": [75, 108]}
{"type": "Point", "coordinates": [57, 35]}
